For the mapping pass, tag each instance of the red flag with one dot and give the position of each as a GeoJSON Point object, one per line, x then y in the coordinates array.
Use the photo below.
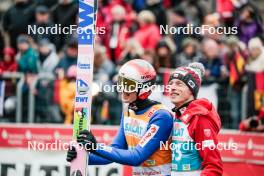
{"type": "Point", "coordinates": [236, 68]}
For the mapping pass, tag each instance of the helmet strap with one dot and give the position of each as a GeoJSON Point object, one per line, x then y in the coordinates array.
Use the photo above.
{"type": "Point", "coordinates": [144, 95]}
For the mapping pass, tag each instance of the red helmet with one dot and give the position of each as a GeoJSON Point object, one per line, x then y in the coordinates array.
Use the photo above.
{"type": "Point", "coordinates": [137, 75]}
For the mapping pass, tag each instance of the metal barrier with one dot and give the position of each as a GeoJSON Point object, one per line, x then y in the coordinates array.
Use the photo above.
{"type": "Point", "coordinates": [46, 76]}
{"type": "Point", "coordinates": [31, 98]}
{"type": "Point", "coordinates": [21, 78]}
{"type": "Point", "coordinates": [244, 102]}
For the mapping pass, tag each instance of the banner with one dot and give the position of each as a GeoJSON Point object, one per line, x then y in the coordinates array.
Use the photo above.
{"type": "Point", "coordinates": [30, 150]}
{"type": "Point", "coordinates": [250, 146]}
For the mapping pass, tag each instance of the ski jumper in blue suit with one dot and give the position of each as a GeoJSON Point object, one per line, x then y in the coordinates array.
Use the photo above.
{"type": "Point", "coordinates": [138, 142]}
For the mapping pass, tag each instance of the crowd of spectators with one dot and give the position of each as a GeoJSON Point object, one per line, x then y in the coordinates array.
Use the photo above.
{"type": "Point", "coordinates": [132, 30]}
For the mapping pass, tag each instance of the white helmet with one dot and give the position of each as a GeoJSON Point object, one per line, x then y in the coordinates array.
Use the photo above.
{"type": "Point", "coordinates": [137, 75]}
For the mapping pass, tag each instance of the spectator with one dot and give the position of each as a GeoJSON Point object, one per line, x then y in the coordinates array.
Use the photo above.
{"type": "Point", "coordinates": [16, 20]}
{"type": "Point", "coordinates": [28, 63]}
{"type": "Point", "coordinates": [235, 63]}
{"type": "Point", "coordinates": [254, 123]}
{"type": "Point", "coordinates": [4, 6]}
{"type": "Point", "coordinates": [163, 62]}
{"type": "Point", "coordinates": [235, 60]}
{"type": "Point", "coordinates": [256, 62]}
{"type": "Point", "coordinates": [68, 60]}
{"type": "Point", "coordinates": [254, 68]}
{"type": "Point", "coordinates": [46, 110]}
{"type": "Point", "coordinates": [117, 33]}
{"type": "Point", "coordinates": [156, 7]}
{"type": "Point", "coordinates": [65, 19]}
{"type": "Point", "coordinates": [42, 16]}
{"type": "Point", "coordinates": [106, 105]}
{"type": "Point", "coordinates": [48, 3]}
{"type": "Point", "coordinates": [194, 11]}
{"type": "Point", "coordinates": [64, 86]}
{"type": "Point", "coordinates": [190, 52]}
{"type": "Point", "coordinates": [2, 43]}
{"type": "Point", "coordinates": [164, 57]}
{"type": "Point", "coordinates": [28, 58]}
{"type": "Point", "coordinates": [248, 23]}
{"type": "Point", "coordinates": [8, 64]}
{"type": "Point", "coordinates": [47, 56]}
{"type": "Point", "coordinates": [138, 5]}
{"type": "Point", "coordinates": [132, 50]}
{"type": "Point", "coordinates": [103, 68]}
{"type": "Point", "coordinates": [178, 20]}
{"type": "Point", "coordinates": [212, 21]}
{"type": "Point", "coordinates": [67, 94]}
{"type": "Point", "coordinates": [105, 9]}
{"type": "Point", "coordinates": [148, 56]}
{"type": "Point", "coordinates": [210, 59]}
{"type": "Point", "coordinates": [148, 34]}
{"type": "Point", "coordinates": [225, 9]}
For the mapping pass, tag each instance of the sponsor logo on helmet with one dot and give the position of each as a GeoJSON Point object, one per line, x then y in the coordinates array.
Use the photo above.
{"type": "Point", "coordinates": [145, 76]}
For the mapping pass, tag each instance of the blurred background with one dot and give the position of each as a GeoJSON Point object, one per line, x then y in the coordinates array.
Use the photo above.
{"type": "Point", "coordinates": [37, 71]}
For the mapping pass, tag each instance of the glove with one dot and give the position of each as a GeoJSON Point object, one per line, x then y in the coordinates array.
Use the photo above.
{"type": "Point", "coordinates": [71, 154]}
{"type": "Point", "coordinates": [87, 140]}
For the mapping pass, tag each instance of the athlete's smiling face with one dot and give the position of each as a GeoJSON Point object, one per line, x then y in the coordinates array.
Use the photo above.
{"type": "Point", "coordinates": [128, 97]}
{"type": "Point", "coordinates": [179, 92]}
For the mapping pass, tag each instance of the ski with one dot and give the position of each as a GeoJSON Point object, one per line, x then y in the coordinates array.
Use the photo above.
{"type": "Point", "coordinates": [84, 79]}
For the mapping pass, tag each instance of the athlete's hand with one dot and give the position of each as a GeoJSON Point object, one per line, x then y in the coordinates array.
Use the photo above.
{"type": "Point", "coordinates": [87, 140]}
{"type": "Point", "coordinates": [71, 154]}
